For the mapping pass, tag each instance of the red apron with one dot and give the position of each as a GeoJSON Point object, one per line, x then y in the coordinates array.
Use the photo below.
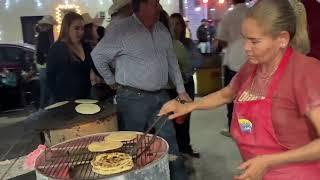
{"type": "Point", "coordinates": [253, 131]}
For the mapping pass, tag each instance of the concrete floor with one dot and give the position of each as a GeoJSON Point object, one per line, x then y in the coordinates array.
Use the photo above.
{"type": "Point", "coordinates": [219, 156]}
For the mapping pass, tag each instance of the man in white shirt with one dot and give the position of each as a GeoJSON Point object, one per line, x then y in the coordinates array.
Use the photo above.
{"type": "Point", "coordinates": [229, 37]}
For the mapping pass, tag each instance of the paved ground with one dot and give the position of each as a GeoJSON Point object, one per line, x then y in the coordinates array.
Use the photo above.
{"type": "Point", "coordinates": [14, 137]}
{"type": "Point", "coordinates": [219, 155]}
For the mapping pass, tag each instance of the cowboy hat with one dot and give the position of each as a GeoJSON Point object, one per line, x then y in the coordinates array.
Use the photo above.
{"type": "Point", "coordinates": [87, 18]}
{"type": "Point", "coordinates": [117, 5]}
{"type": "Point", "coordinates": [48, 20]}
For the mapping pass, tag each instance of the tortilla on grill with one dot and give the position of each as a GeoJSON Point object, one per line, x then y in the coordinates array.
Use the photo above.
{"type": "Point", "coordinates": [104, 146]}
{"type": "Point", "coordinates": [86, 101]}
{"type": "Point", "coordinates": [120, 136]}
{"type": "Point", "coordinates": [111, 163]}
{"type": "Point", "coordinates": [58, 104]}
{"type": "Point", "coordinates": [88, 108]}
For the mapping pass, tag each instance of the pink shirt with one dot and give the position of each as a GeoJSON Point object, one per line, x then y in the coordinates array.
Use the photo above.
{"type": "Point", "coordinates": [297, 93]}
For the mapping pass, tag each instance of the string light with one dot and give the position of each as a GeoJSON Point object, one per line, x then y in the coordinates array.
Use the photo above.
{"type": "Point", "coordinates": [64, 7]}
{"type": "Point", "coordinates": [38, 2]}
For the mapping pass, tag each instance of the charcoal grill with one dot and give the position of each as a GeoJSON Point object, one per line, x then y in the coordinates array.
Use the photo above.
{"type": "Point", "coordinates": [71, 160]}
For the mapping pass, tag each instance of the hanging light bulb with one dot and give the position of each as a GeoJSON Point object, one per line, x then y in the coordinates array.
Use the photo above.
{"type": "Point", "coordinates": [197, 9]}
{"type": "Point", "coordinates": [7, 4]}
{"type": "Point", "coordinates": [221, 1]}
{"type": "Point", "coordinates": [231, 8]}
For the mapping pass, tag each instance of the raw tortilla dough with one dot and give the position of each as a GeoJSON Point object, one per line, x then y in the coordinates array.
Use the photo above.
{"type": "Point", "coordinates": [58, 104]}
{"type": "Point", "coordinates": [88, 108]}
{"type": "Point", "coordinates": [104, 146]}
{"type": "Point", "coordinates": [86, 101]}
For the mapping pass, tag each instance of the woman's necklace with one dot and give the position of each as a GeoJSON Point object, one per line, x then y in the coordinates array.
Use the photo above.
{"type": "Point", "coordinates": [260, 82]}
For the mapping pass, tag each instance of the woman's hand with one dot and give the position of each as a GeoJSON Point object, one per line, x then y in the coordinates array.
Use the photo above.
{"type": "Point", "coordinates": [255, 168]}
{"type": "Point", "coordinates": [176, 108]}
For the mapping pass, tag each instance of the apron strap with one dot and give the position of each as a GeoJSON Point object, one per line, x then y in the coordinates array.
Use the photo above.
{"type": "Point", "coordinates": [279, 72]}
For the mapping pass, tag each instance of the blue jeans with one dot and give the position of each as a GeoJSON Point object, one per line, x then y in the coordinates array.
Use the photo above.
{"type": "Point", "coordinates": [137, 110]}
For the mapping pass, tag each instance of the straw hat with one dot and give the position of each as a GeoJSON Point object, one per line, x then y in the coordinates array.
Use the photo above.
{"type": "Point", "coordinates": [117, 5]}
{"type": "Point", "coordinates": [87, 18]}
{"type": "Point", "coordinates": [48, 20]}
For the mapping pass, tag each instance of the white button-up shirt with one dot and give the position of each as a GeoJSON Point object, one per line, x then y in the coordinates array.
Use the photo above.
{"type": "Point", "coordinates": [144, 59]}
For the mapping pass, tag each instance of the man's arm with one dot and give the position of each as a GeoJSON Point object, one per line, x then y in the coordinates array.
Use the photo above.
{"type": "Point", "coordinates": [105, 52]}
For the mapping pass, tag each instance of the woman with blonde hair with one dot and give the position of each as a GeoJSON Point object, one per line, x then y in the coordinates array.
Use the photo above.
{"type": "Point", "coordinates": [69, 61]}
{"type": "Point", "coordinates": [276, 119]}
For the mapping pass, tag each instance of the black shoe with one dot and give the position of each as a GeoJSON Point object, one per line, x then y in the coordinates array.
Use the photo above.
{"type": "Point", "coordinates": [225, 132]}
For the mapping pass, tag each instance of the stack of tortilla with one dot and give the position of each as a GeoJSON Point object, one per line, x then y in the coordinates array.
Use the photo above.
{"type": "Point", "coordinates": [112, 163]}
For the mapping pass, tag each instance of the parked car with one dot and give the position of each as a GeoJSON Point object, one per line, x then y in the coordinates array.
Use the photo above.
{"type": "Point", "coordinates": [18, 78]}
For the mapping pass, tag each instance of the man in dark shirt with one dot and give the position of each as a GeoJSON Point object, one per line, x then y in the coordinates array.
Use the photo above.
{"type": "Point", "coordinates": [203, 37]}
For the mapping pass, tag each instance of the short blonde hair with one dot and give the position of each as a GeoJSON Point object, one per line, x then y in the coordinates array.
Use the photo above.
{"type": "Point", "coordinates": [281, 15]}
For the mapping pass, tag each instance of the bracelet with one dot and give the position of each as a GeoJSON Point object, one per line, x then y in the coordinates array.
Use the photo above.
{"type": "Point", "coordinates": [180, 100]}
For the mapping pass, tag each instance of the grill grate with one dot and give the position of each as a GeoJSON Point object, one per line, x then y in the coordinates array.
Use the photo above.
{"type": "Point", "coordinates": [71, 159]}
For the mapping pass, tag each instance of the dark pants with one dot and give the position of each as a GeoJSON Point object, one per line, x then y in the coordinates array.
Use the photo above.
{"type": "Point", "coordinates": [45, 96]}
{"type": "Point", "coordinates": [228, 75]}
{"type": "Point", "coordinates": [183, 130]}
{"type": "Point", "coordinates": [137, 110]}
{"type": "Point", "coordinates": [102, 92]}
{"type": "Point", "coordinates": [34, 88]}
